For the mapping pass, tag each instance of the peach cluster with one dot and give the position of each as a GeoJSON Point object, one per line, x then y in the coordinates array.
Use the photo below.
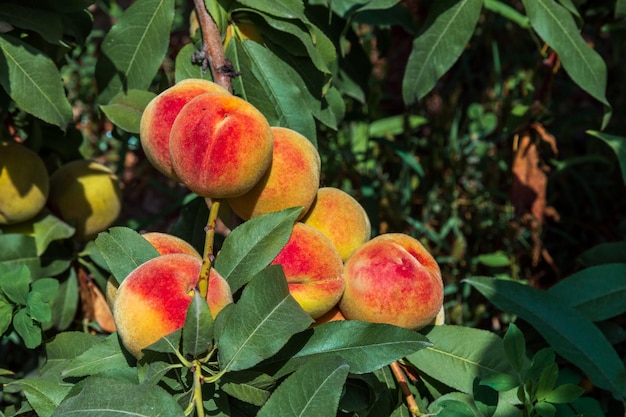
{"type": "Point", "coordinates": [222, 148]}
{"type": "Point", "coordinates": [84, 194]}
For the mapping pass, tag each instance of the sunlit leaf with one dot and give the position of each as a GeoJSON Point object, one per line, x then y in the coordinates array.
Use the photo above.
{"type": "Point", "coordinates": [459, 355]}
{"type": "Point", "coordinates": [557, 27]}
{"type": "Point", "coordinates": [134, 48]}
{"type": "Point", "coordinates": [261, 322]}
{"type": "Point", "coordinates": [198, 328]}
{"type": "Point", "coordinates": [449, 28]}
{"type": "Point", "coordinates": [254, 245]}
{"type": "Point", "coordinates": [100, 357]}
{"type": "Point", "coordinates": [125, 109]}
{"type": "Point", "coordinates": [313, 390]}
{"type": "Point", "coordinates": [33, 81]}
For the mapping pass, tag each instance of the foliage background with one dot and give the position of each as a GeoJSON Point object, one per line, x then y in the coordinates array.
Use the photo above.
{"type": "Point", "coordinates": [498, 169]}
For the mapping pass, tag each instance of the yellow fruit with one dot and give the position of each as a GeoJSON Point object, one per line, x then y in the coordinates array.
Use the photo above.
{"type": "Point", "coordinates": [87, 195]}
{"type": "Point", "coordinates": [23, 181]}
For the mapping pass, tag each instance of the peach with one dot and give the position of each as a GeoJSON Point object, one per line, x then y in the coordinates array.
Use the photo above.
{"type": "Point", "coordinates": [291, 181]}
{"type": "Point", "coordinates": [220, 145]}
{"type": "Point", "coordinates": [165, 244]}
{"type": "Point", "coordinates": [152, 301]}
{"type": "Point", "coordinates": [87, 195]}
{"type": "Point", "coordinates": [313, 270]}
{"type": "Point", "coordinates": [341, 218]}
{"type": "Point", "coordinates": [392, 279]}
{"type": "Point", "coordinates": [159, 115]}
{"type": "Point", "coordinates": [24, 183]}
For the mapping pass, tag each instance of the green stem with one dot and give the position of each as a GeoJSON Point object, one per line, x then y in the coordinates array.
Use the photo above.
{"type": "Point", "coordinates": [198, 380]}
{"type": "Point", "coordinates": [208, 257]}
{"type": "Point", "coordinates": [404, 386]}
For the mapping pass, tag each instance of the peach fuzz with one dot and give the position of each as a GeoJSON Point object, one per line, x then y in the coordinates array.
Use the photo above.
{"type": "Point", "coordinates": [341, 218]}
{"type": "Point", "coordinates": [392, 279]}
{"type": "Point", "coordinates": [159, 115]}
{"type": "Point", "coordinates": [220, 145]}
{"type": "Point", "coordinates": [313, 270]}
{"type": "Point", "coordinates": [291, 181]}
{"type": "Point", "coordinates": [152, 301]}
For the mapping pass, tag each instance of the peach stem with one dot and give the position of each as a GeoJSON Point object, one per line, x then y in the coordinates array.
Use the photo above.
{"type": "Point", "coordinates": [208, 257]}
{"type": "Point", "coordinates": [212, 46]}
{"type": "Point", "coordinates": [404, 386]}
{"type": "Point", "coordinates": [198, 380]}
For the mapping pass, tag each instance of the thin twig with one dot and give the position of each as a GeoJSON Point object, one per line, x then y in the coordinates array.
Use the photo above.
{"type": "Point", "coordinates": [404, 386]}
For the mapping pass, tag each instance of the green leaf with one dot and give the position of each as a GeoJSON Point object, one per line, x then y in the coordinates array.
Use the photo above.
{"type": "Point", "coordinates": [134, 48]}
{"type": "Point", "coordinates": [564, 394]}
{"type": "Point", "coordinates": [252, 387]}
{"type": "Point", "coordinates": [547, 380]}
{"type": "Point", "coordinates": [459, 355]}
{"type": "Point", "coordinates": [28, 331]}
{"type": "Point", "coordinates": [6, 315]}
{"type": "Point", "coordinates": [597, 292]}
{"type": "Point", "coordinates": [185, 68]}
{"type": "Point", "coordinates": [198, 327]}
{"type": "Point", "coordinates": [395, 125]}
{"type": "Point", "coordinates": [620, 9]}
{"type": "Point", "coordinates": [101, 357]}
{"type": "Point", "coordinates": [38, 309]}
{"type": "Point", "coordinates": [454, 404]}
{"type": "Point", "coordinates": [44, 395]}
{"type": "Point", "coordinates": [126, 107]}
{"type": "Point", "coordinates": [261, 322]}
{"type": "Point", "coordinates": [273, 87]}
{"type": "Point", "coordinates": [545, 409]}
{"type": "Point", "coordinates": [102, 396]}
{"type": "Point", "coordinates": [508, 12]}
{"type": "Point", "coordinates": [604, 253]}
{"type": "Point", "coordinates": [47, 24]}
{"type": "Point", "coordinates": [66, 346]}
{"type": "Point", "coordinates": [543, 359]}
{"type": "Point", "coordinates": [494, 260]}
{"type": "Point", "coordinates": [168, 343]}
{"type": "Point", "coordinates": [312, 390]}
{"type": "Point", "coordinates": [617, 144]}
{"type": "Point", "coordinates": [33, 81]}
{"type": "Point", "coordinates": [65, 305]}
{"type": "Point", "coordinates": [15, 283]}
{"type": "Point", "coordinates": [570, 333]}
{"type": "Point", "coordinates": [48, 229]}
{"type": "Point", "coordinates": [500, 382]}
{"type": "Point", "coordinates": [288, 9]}
{"type": "Point", "coordinates": [192, 220]}
{"type": "Point", "coordinates": [449, 28]}
{"type": "Point", "coordinates": [515, 347]}
{"type": "Point", "coordinates": [557, 27]}
{"type": "Point", "coordinates": [19, 249]}
{"type": "Point", "coordinates": [124, 250]}
{"type": "Point", "coordinates": [253, 245]}
{"type": "Point", "coordinates": [47, 287]}
{"type": "Point", "coordinates": [366, 347]}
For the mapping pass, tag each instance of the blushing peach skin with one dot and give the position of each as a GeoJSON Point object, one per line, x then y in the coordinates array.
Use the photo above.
{"type": "Point", "coordinates": [165, 244]}
{"type": "Point", "coordinates": [159, 115]}
{"type": "Point", "coordinates": [341, 218]}
{"type": "Point", "coordinates": [220, 145]}
{"type": "Point", "coordinates": [313, 270]}
{"type": "Point", "coordinates": [152, 301]}
{"type": "Point", "coordinates": [291, 181]}
{"type": "Point", "coordinates": [392, 279]}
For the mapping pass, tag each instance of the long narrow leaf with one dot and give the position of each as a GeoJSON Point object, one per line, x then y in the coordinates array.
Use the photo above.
{"type": "Point", "coordinates": [570, 334]}
{"type": "Point", "coordinates": [557, 27]}
{"type": "Point", "coordinates": [450, 26]}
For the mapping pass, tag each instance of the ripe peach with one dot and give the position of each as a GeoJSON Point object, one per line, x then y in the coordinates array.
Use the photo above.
{"type": "Point", "coordinates": [291, 181]}
{"type": "Point", "coordinates": [220, 145]}
{"type": "Point", "coordinates": [159, 115]}
{"type": "Point", "coordinates": [392, 279]}
{"type": "Point", "coordinates": [313, 270]}
{"type": "Point", "coordinates": [341, 218]}
{"type": "Point", "coordinates": [152, 301]}
{"type": "Point", "coordinates": [165, 244]}
{"type": "Point", "coordinates": [24, 183]}
{"type": "Point", "coordinates": [87, 195]}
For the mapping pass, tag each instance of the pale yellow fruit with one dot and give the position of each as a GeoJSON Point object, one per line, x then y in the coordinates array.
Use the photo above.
{"type": "Point", "coordinates": [23, 183]}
